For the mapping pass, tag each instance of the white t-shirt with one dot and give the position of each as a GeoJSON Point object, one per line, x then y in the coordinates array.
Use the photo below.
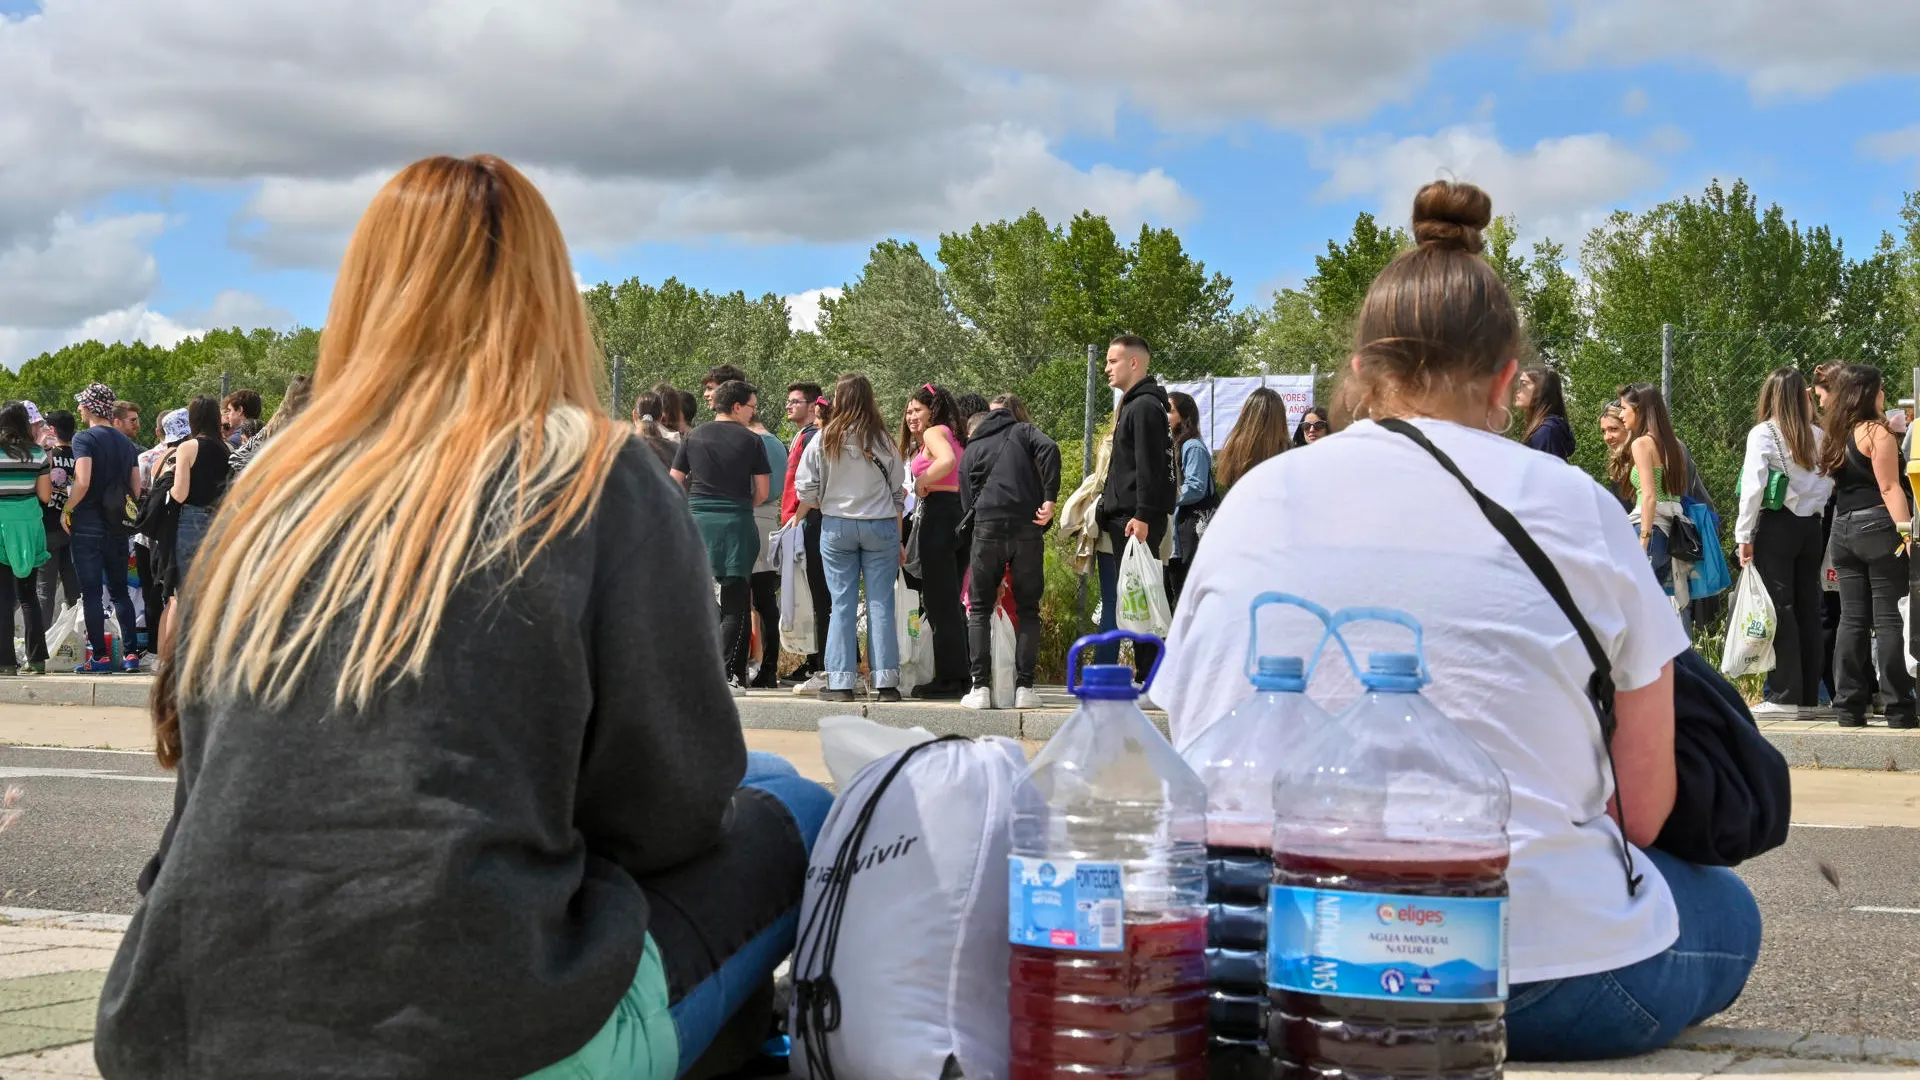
{"type": "Point", "coordinates": [1367, 517]}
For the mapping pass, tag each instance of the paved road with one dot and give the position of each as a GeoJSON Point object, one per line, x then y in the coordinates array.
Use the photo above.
{"type": "Point", "coordinates": [1826, 966]}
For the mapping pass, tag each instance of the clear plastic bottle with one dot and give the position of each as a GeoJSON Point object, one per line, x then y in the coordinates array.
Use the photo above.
{"type": "Point", "coordinates": [1237, 758]}
{"type": "Point", "coordinates": [1107, 878]}
{"type": "Point", "coordinates": [1387, 925]}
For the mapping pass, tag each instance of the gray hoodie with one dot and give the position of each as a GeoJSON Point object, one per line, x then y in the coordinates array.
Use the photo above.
{"type": "Point", "coordinates": [866, 484]}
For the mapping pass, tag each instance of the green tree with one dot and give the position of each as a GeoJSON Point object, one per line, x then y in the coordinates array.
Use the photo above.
{"type": "Point", "coordinates": [1000, 276]}
{"type": "Point", "coordinates": [895, 322]}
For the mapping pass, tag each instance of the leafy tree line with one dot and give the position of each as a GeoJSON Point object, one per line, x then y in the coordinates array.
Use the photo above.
{"type": "Point", "coordinates": [1013, 305]}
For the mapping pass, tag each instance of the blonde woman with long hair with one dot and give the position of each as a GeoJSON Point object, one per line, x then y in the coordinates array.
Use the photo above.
{"type": "Point", "coordinates": [1780, 533]}
{"type": "Point", "coordinates": [1259, 433]}
{"type": "Point", "coordinates": [460, 780]}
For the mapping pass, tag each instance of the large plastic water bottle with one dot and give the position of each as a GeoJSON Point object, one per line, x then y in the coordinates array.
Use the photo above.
{"type": "Point", "coordinates": [1387, 926]}
{"type": "Point", "coordinates": [1107, 877]}
{"type": "Point", "coordinates": [1237, 758]}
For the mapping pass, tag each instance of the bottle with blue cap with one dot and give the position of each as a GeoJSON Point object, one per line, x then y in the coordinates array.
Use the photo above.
{"type": "Point", "coordinates": [1387, 916]}
{"type": "Point", "coordinates": [1237, 758]}
{"type": "Point", "coordinates": [1107, 910]}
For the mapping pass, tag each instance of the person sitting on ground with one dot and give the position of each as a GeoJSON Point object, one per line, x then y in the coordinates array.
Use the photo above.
{"type": "Point", "coordinates": [1436, 346]}
{"type": "Point", "coordinates": [460, 785]}
{"type": "Point", "coordinates": [1010, 480]}
{"type": "Point", "coordinates": [238, 408]}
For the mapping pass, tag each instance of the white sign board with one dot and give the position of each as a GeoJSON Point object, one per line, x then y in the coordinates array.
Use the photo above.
{"type": "Point", "coordinates": [1219, 401]}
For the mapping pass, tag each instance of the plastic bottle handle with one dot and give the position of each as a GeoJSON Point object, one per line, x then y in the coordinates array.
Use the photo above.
{"type": "Point", "coordinates": [1113, 637]}
{"type": "Point", "coordinates": [1267, 599]}
{"type": "Point", "coordinates": [1349, 616]}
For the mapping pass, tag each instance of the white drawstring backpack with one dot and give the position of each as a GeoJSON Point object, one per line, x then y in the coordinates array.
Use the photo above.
{"type": "Point", "coordinates": [900, 972]}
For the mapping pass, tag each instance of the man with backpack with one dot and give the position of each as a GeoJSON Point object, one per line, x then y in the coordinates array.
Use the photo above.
{"type": "Point", "coordinates": [106, 474]}
{"type": "Point", "coordinates": [1010, 479]}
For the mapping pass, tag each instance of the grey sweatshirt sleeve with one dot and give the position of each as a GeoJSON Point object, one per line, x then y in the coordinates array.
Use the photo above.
{"type": "Point", "coordinates": [664, 751]}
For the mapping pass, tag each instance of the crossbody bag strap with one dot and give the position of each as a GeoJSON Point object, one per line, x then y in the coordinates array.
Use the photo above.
{"type": "Point", "coordinates": [1600, 688]}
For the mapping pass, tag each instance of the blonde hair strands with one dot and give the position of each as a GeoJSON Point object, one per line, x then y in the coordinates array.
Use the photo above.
{"type": "Point", "coordinates": [455, 425]}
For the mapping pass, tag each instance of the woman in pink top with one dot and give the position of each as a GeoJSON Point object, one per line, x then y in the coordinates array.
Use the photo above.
{"type": "Point", "coordinates": [929, 442]}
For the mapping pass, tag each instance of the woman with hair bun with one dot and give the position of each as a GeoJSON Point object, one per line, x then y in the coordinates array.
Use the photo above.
{"type": "Point", "coordinates": [1370, 518]}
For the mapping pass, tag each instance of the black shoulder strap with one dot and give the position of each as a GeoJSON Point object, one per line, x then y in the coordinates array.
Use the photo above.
{"type": "Point", "coordinates": [1600, 689]}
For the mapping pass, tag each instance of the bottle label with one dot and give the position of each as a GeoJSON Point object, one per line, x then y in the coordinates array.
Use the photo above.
{"type": "Point", "coordinates": [1387, 946]}
{"type": "Point", "coordinates": [1064, 904]}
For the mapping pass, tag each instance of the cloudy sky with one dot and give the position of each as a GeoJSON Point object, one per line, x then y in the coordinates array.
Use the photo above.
{"type": "Point", "coordinates": [170, 165]}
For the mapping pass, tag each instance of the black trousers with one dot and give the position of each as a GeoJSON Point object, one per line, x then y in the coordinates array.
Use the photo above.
{"type": "Point", "coordinates": [1787, 553]}
{"type": "Point", "coordinates": [57, 574]}
{"type": "Point", "coordinates": [998, 545]}
{"type": "Point", "coordinates": [151, 591]}
{"type": "Point", "coordinates": [736, 626]}
{"type": "Point", "coordinates": [766, 604]}
{"type": "Point", "coordinates": [940, 563]}
{"type": "Point", "coordinates": [18, 593]}
{"type": "Point", "coordinates": [817, 585]}
{"type": "Point", "coordinates": [1872, 580]}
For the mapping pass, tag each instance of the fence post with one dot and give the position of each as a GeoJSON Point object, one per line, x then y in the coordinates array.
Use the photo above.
{"type": "Point", "coordinates": [1086, 451]}
{"type": "Point", "coordinates": [617, 366]}
{"type": "Point", "coordinates": [1666, 363]}
{"type": "Point", "coordinates": [224, 391]}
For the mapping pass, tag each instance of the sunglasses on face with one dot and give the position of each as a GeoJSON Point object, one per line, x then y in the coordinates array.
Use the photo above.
{"type": "Point", "coordinates": [1318, 427]}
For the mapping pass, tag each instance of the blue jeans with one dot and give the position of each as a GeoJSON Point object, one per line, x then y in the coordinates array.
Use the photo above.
{"type": "Point", "coordinates": [1642, 1007]}
{"type": "Point", "coordinates": [720, 925]}
{"type": "Point", "coordinates": [855, 551]}
{"type": "Point", "coordinates": [101, 563]}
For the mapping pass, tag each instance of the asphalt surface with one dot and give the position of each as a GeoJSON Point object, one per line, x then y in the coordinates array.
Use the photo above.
{"type": "Point", "coordinates": [1825, 966]}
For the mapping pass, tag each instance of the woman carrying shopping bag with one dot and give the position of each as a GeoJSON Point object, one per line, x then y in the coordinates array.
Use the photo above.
{"type": "Point", "coordinates": [1783, 497]}
{"type": "Point", "coordinates": [852, 474]}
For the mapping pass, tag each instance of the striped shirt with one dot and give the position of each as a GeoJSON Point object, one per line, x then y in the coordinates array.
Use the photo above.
{"type": "Point", "coordinates": [21, 477]}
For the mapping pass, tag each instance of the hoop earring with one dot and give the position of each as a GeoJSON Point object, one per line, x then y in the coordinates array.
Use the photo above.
{"type": "Point", "coordinates": [1506, 419]}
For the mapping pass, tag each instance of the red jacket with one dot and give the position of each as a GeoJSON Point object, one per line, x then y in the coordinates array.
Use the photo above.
{"type": "Point", "coordinates": [789, 498]}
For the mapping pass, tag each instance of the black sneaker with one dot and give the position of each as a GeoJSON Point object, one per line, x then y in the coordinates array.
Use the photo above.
{"type": "Point", "coordinates": [942, 691]}
{"type": "Point", "coordinates": [887, 693]}
{"type": "Point", "coordinates": [1850, 720]}
{"type": "Point", "coordinates": [839, 696]}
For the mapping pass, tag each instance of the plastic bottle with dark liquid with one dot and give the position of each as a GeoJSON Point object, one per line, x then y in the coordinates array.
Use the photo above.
{"type": "Point", "coordinates": [1236, 758]}
{"type": "Point", "coordinates": [1107, 912]}
{"type": "Point", "coordinates": [1387, 914]}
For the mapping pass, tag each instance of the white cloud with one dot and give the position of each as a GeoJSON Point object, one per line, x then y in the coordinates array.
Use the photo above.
{"type": "Point", "coordinates": [1897, 145]}
{"type": "Point", "coordinates": [139, 322]}
{"type": "Point", "coordinates": [1634, 102]}
{"type": "Point", "coordinates": [1557, 187]}
{"type": "Point", "coordinates": [1780, 47]}
{"type": "Point", "coordinates": [803, 308]}
{"type": "Point", "coordinates": [78, 268]}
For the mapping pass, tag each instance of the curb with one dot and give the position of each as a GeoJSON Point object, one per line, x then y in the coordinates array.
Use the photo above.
{"type": "Point", "coordinates": [1750, 1043]}
{"type": "Point", "coordinates": [767, 711]}
{"type": "Point", "coordinates": [110, 691]}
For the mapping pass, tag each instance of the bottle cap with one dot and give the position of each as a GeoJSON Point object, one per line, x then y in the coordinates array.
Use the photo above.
{"type": "Point", "coordinates": [1392, 671]}
{"type": "Point", "coordinates": [1280, 675]}
{"type": "Point", "coordinates": [1107, 682]}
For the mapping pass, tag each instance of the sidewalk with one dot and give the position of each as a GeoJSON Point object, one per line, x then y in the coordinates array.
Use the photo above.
{"type": "Point", "coordinates": [52, 965]}
{"type": "Point", "coordinates": [1814, 743]}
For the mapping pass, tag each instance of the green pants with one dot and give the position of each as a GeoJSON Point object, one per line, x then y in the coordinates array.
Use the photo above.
{"type": "Point", "coordinates": [638, 1041]}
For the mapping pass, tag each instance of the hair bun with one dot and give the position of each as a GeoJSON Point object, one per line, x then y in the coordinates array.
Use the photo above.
{"type": "Point", "coordinates": [1450, 215]}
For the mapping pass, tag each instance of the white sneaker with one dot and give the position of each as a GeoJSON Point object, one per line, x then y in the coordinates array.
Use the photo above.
{"type": "Point", "coordinates": [736, 688]}
{"type": "Point", "coordinates": [977, 698]}
{"type": "Point", "coordinates": [1768, 710]}
{"type": "Point", "coordinates": [814, 684]}
{"type": "Point", "coordinates": [1027, 698]}
{"type": "Point", "coordinates": [1147, 704]}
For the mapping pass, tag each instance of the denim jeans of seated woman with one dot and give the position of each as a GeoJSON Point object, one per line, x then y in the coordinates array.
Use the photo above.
{"type": "Point", "coordinates": [1643, 1007]}
{"type": "Point", "coordinates": [857, 552]}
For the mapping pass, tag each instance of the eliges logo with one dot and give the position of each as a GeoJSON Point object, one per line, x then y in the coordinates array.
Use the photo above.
{"type": "Point", "coordinates": [1410, 913]}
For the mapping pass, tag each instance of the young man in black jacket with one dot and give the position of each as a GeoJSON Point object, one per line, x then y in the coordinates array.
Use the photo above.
{"type": "Point", "coordinates": [1009, 483]}
{"type": "Point", "coordinates": [1138, 500]}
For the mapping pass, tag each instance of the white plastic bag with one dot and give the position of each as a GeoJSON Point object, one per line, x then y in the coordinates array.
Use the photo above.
{"type": "Point", "coordinates": [798, 629]}
{"type": "Point", "coordinates": [851, 743]}
{"type": "Point", "coordinates": [67, 639]}
{"type": "Point", "coordinates": [1005, 673]}
{"type": "Point", "coordinates": [914, 635]}
{"type": "Point", "coordinates": [1143, 592]}
{"type": "Point", "coordinates": [1906, 632]}
{"type": "Point", "coordinates": [1749, 648]}
{"type": "Point", "coordinates": [906, 914]}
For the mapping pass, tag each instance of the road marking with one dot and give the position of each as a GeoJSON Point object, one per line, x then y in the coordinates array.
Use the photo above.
{"type": "Point", "coordinates": [1814, 825]}
{"type": "Point", "coordinates": [1891, 910]}
{"type": "Point", "coordinates": [22, 772]}
{"type": "Point", "coordinates": [75, 749]}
